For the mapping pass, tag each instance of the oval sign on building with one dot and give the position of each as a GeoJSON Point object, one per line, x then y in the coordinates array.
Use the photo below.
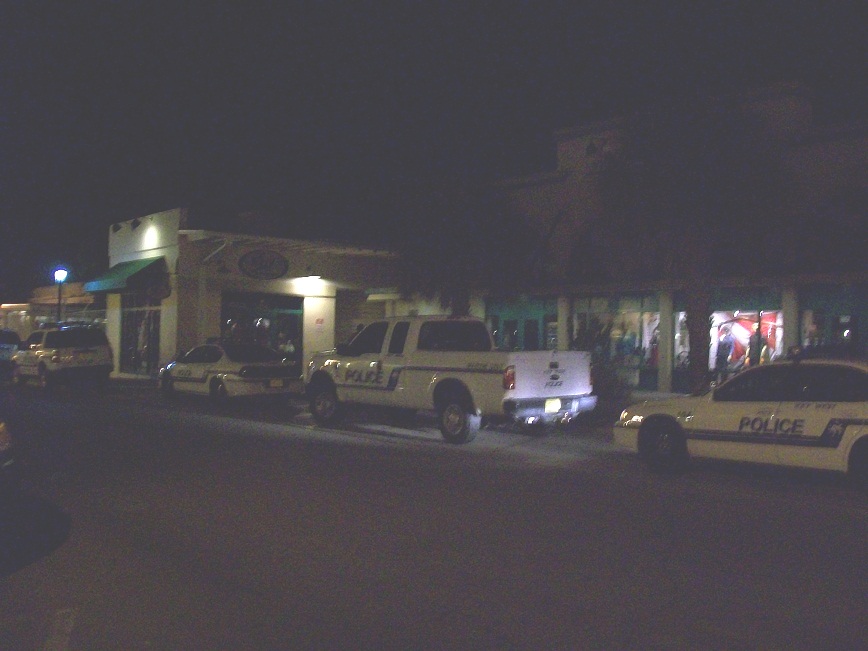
{"type": "Point", "coordinates": [263, 264]}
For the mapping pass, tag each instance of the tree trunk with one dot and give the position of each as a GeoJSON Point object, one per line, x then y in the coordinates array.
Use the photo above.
{"type": "Point", "coordinates": [699, 328]}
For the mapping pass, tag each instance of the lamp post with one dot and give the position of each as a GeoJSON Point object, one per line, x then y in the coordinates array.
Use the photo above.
{"type": "Point", "coordinates": [60, 275]}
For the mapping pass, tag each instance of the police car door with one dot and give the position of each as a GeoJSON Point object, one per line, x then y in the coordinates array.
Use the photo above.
{"type": "Point", "coordinates": [360, 377]}
{"type": "Point", "coordinates": [738, 421]}
{"type": "Point", "coordinates": [826, 403]}
{"type": "Point", "coordinates": [190, 371]}
{"type": "Point", "coordinates": [393, 366]}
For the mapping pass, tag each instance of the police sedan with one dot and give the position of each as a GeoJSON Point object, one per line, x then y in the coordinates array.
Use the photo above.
{"type": "Point", "coordinates": [230, 370]}
{"type": "Point", "coordinates": [810, 414]}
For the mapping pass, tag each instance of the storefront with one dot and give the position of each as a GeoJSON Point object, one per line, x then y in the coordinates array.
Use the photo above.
{"type": "Point", "coordinates": [523, 323]}
{"type": "Point", "coordinates": [170, 288]}
{"type": "Point", "coordinates": [643, 336]}
{"type": "Point", "coordinates": [833, 318]}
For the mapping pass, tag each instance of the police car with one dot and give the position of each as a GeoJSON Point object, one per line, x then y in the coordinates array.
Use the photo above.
{"type": "Point", "coordinates": [229, 370]}
{"type": "Point", "coordinates": [810, 414]}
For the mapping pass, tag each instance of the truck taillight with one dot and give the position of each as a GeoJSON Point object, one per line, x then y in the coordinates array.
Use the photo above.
{"type": "Point", "coordinates": [509, 378]}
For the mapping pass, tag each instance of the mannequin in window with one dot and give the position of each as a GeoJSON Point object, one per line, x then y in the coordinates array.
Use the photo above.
{"type": "Point", "coordinates": [756, 344]}
{"type": "Point", "coordinates": [725, 344]}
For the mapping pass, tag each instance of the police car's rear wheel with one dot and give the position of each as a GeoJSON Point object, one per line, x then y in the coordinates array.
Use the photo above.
{"type": "Point", "coordinates": [44, 378]}
{"type": "Point", "coordinates": [218, 391]}
{"type": "Point", "coordinates": [663, 446]}
{"type": "Point", "coordinates": [457, 423]}
{"type": "Point", "coordinates": [857, 466]}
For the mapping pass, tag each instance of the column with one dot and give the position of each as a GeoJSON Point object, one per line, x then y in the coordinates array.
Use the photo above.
{"type": "Point", "coordinates": [563, 321]}
{"type": "Point", "coordinates": [666, 341]}
{"type": "Point", "coordinates": [790, 309]}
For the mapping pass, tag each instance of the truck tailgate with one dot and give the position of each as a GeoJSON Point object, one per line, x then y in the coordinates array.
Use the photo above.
{"type": "Point", "coordinates": [548, 374]}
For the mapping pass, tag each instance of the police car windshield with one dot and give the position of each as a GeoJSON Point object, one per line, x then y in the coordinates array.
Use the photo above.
{"type": "Point", "coordinates": [251, 353]}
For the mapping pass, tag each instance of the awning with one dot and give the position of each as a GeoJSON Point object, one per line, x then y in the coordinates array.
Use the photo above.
{"type": "Point", "coordinates": [132, 275]}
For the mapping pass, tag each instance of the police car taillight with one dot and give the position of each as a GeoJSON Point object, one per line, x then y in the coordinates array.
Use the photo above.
{"type": "Point", "coordinates": [509, 378]}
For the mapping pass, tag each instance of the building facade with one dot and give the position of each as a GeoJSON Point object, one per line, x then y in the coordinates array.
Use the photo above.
{"type": "Point", "coordinates": [169, 288]}
{"type": "Point", "coordinates": [639, 327]}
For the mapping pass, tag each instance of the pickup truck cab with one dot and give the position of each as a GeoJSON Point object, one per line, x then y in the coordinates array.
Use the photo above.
{"type": "Point", "coordinates": [448, 365]}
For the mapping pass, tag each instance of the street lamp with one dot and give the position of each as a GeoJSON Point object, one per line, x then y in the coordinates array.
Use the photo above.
{"type": "Point", "coordinates": [60, 275]}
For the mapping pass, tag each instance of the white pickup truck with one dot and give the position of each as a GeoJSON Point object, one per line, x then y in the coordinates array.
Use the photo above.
{"type": "Point", "coordinates": [448, 365]}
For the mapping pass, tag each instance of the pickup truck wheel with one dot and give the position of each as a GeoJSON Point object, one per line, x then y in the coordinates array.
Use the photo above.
{"type": "Point", "coordinates": [457, 424]}
{"type": "Point", "coordinates": [18, 378]}
{"type": "Point", "coordinates": [663, 447]}
{"type": "Point", "coordinates": [324, 405]}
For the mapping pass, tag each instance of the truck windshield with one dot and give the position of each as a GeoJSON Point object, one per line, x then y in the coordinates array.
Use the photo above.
{"type": "Point", "coordinates": [458, 336]}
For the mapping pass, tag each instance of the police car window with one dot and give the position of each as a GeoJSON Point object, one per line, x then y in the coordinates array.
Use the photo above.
{"type": "Point", "coordinates": [34, 338]}
{"type": "Point", "coordinates": [829, 384]}
{"type": "Point", "coordinates": [251, 353]}
{"type": "Point", "coordinates": [399, 337]}
{"type": "Point", "coordinates": [765, 384]}
{"type": "Point", "coordinates": [195, 356]}
{"type": "Point", "coordinates": [212, 354]}
{"type": "Point", "coordinates": [459, 336]}
{"type": "Point", "coordinates": [370, 340]}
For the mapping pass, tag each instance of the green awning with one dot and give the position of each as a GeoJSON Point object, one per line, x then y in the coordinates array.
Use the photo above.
{"type": "Point", "coordinates": [135, 274]}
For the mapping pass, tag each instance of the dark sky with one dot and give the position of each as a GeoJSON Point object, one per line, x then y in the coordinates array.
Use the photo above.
{"type": "Point", "coordinates": [319, 110]}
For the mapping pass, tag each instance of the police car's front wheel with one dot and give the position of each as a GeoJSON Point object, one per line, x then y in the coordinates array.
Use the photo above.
{"type": "Point", "coordinates": [662, 446]}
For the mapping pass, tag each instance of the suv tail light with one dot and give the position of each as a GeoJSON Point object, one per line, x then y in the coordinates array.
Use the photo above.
{"type": "Point", "coordinates": [509, 378]}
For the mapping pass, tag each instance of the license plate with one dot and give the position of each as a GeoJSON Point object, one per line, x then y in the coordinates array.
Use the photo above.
{"type": "Point", "coordinates": [275, 384]}
{"type": "Point", "coordinates": [553, 405]}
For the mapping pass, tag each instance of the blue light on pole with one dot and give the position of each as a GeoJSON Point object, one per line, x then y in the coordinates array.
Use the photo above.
{"type": "Point", "coordinates": [60, 275]}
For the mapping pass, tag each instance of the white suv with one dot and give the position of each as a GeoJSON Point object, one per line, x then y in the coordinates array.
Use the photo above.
{"type": "Point", "coordinates": [68, 353]}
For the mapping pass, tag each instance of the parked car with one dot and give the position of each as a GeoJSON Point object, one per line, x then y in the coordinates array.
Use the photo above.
{"type": "Point", "coordinates": [230, 370]}
{"type": "Point", "coordinates": [810, 414]}
{"type": "Point", "coordinates": [9, 343]}
{"type": "Point", "coordinates": [64, 354]}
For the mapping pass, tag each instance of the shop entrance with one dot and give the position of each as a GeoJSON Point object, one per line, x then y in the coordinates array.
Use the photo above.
{"type": "Point", "coordinates": [140, 335]}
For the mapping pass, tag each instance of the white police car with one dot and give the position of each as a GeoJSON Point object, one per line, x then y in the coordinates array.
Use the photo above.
{"type": "Point", "coordinates": [810, 414]}
{"type": "Point", "coordinates": [229, 370]}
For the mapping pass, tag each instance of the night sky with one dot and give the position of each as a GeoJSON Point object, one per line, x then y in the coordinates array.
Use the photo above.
{"type": "Point", "coordinates": [318, 112]}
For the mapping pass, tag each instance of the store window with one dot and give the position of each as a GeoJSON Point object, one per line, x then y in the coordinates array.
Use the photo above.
{"type": "Point", "coordinates": [822, 331]}
{"type": "Point", "coordinates": [621, 331]}
{"type": "Point", "coordinates": [734, 342]}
